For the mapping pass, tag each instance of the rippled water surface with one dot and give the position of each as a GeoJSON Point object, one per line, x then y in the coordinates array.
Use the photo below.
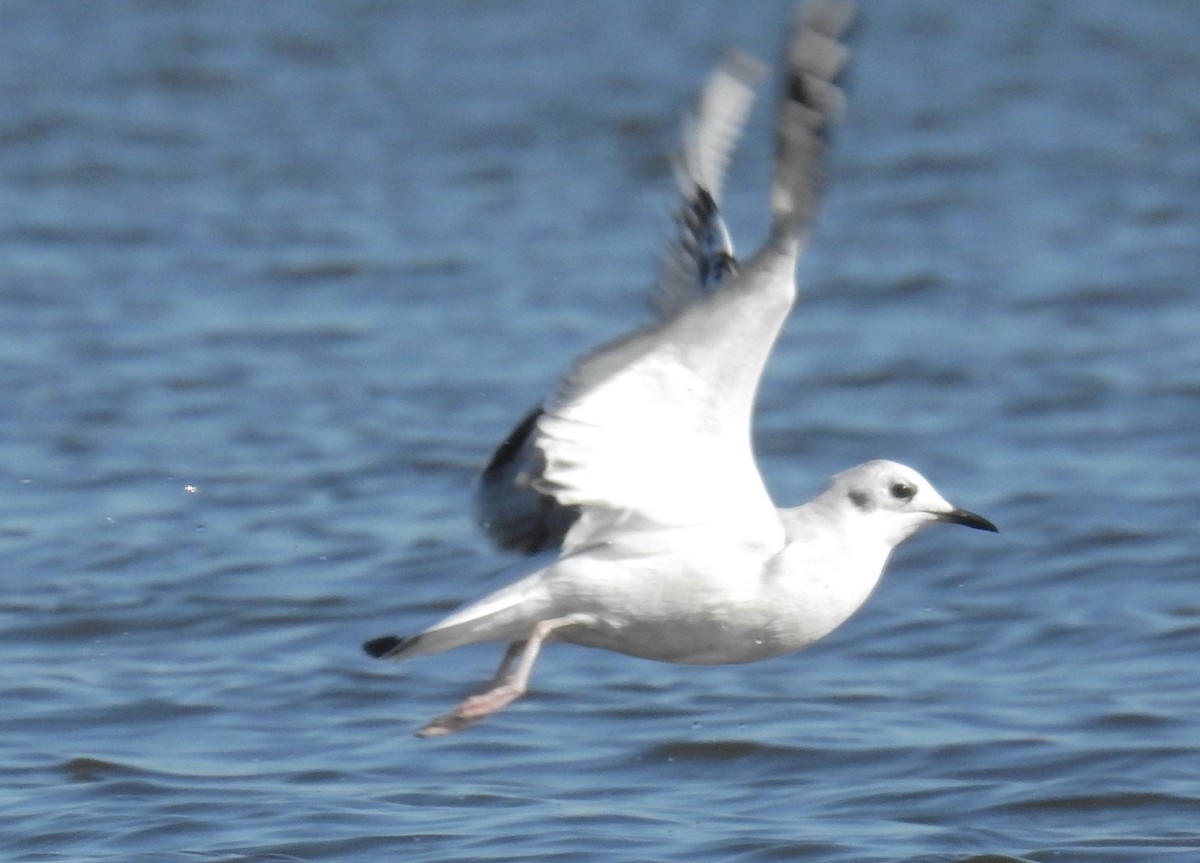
{"type": "Point", "coordinates": [276, 276]}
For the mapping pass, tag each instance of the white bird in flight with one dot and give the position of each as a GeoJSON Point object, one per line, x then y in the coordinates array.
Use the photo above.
{"type": "Point", "coordinates": [640, 471]}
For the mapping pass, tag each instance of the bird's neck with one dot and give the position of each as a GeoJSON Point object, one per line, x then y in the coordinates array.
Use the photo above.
{"type": "Point", "coordinates": [818, 533]}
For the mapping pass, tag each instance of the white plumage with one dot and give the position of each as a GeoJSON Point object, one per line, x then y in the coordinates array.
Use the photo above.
{"type": "Point", "coordinates": [636, 480]}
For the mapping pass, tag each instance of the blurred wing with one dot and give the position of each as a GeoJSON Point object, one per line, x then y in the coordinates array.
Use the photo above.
{"type": "Point", "coordinates": [654, 430]}
{"type": "Point", "coordinates": [701, 256]}
{"type": "Point", "coordinates": [511, 511]}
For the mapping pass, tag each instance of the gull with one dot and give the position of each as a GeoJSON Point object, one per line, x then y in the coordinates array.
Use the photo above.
{"type": "Point", "coordinates": [635, 482]}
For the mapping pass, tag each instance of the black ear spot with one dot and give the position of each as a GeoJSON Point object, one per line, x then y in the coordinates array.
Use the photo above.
{"type": "Point", "coordinates": [860, 500]}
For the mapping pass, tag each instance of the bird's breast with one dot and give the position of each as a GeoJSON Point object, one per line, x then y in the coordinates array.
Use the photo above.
{"type": "Point", "coordinates": [711, 609]}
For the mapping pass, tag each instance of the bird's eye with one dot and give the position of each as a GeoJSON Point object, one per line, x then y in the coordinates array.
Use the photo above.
{"type": "Point", "coordinates": [903, 490]}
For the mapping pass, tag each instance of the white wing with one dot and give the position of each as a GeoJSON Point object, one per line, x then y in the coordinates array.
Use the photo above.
{"type": "Point", "coordinates": [513, 513]}
{"type": "Point", "coordinates": [654, 429]}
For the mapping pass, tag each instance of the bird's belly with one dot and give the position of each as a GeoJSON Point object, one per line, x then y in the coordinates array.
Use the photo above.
{"type": "Point", "coordinates": [685, 626]}
{"type": "Point", "coordinates": [718, 605]}
{"type": "Point", "coordinates": [696, 643]}
{"type": "Point", "coordinates": [703, 617]}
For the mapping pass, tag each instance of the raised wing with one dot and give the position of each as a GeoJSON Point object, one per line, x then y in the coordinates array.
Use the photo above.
{"type": "Point", "coordinates": [701, 255]}
{"type": "Point", "coordinates": [654, 430]}
{"type": "Point", "coordinates": [513, 513]}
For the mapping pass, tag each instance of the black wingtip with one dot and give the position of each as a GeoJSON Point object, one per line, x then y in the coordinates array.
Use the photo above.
{"type": "Point", "coordinates": [511, 446]}
{"type": "Point", "coordinates": [381, 648]}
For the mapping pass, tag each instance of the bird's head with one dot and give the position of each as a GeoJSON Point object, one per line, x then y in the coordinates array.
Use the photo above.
{"type": "Point", "coordinates": [896, 500]}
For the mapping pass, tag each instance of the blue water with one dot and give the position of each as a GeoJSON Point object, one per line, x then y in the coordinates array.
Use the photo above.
{"type": "Point", "coordinates": [276, 276]}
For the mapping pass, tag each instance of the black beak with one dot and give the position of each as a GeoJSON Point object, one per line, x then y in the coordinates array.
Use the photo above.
{"type": "Point", "coordinates": [970, 519]}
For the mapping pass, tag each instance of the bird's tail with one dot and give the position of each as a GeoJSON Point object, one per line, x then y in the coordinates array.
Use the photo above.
{"type": "Point", "coordinates": [811, 103]}
{"type": "Point", "coordinates": [506, 615]}
{"type": "Point", "coordinates": [433, 640]}
{"type": "Point", "coordinates": [389, 646]}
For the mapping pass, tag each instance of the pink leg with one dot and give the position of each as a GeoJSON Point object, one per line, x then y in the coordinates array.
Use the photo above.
{"type": "Point", "coordinates": [505, 688]}
{"type": "Point", "coordinates": [510, 656]}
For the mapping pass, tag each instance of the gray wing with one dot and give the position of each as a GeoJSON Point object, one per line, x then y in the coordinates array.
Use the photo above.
{"type": "Point", "coordinates": [701, 254]}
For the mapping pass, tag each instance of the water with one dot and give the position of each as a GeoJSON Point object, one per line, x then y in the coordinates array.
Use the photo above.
{"type": "Point", "coordinates": [275, 278]}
